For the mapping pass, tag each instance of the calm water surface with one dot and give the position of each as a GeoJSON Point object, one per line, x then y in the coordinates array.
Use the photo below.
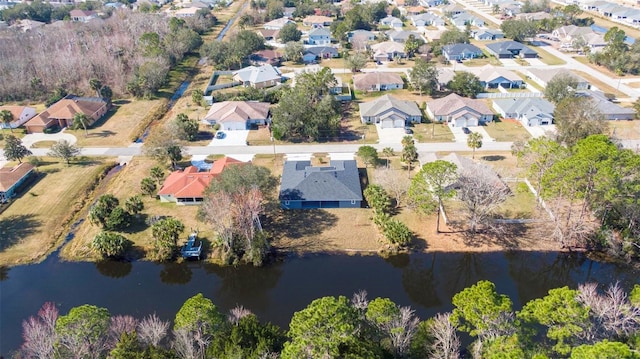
{"type": "Point", "coordinates": [426, 282]}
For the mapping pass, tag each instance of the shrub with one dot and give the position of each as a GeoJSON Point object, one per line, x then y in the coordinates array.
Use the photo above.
{"type": "Point", "coordinates": [110, 244]}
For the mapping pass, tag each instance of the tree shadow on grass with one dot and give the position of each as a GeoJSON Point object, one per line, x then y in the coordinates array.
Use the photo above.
{"type": "Point", "coordinates": [297, 223]}
{"type": "Point", "coordinates": [493, 158]}
{"type": "Point", "coordinates": [103, 133]}
{"type": "Point", "coordinates": [14, 228]}
{"type": "Point", "coordinates": [508, 236]}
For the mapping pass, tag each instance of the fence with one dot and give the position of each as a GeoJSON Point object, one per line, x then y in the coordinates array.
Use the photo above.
{"type": "Point", "coordinates": [211, 85]}
{"type": "Point", "coordinates": [509, 95]}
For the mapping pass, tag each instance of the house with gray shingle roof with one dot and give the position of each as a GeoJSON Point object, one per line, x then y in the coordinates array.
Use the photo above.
{"type": "Point", "coordinates": [461, 20]}
{"type": "Point", "coordinates": [510, 49]}
{"type": "Point", "coordinates": [319, 36]}
{"type": "Point", "coordinates": [456, 52]}
{"type": "Point", "coordinates": [390, 112]}
{"type": "Point", "coordinates": [492, 77]}
{"type": "Point", "coordinates": [402, 36]}
{"type": "Point", "coordinates": [258, 76]}
{"type": "Point", "coordinates": [304, 186]}
{"type": "Point", "coordinates": [488, 34]}
{"type": "Point", "coordinates": [427, 19]}
{"type": "Point", "coordinates": [459, 111]}
{"type": "Point", "coordinates": [529, 111]}
{"type": "Point", "coordinates": [392, 22]}
{"type": "Point", "coordinates": [544, 75]}
{"type": "Point", "coordinates": [610, 110]}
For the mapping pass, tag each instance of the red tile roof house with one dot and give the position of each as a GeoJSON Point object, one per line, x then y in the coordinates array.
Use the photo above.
{"type": "Point", "coordinates": [21, 114]}
{"type": "Point", "coordinates": [187, 187]}
{"type": "Point", "coordinates": [61, 113]}
{"type": "Point", "coordinates": [12, 178]}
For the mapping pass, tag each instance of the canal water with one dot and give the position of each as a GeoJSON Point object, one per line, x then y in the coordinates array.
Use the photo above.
{"type": "Point", "coordinates": [426, 282]}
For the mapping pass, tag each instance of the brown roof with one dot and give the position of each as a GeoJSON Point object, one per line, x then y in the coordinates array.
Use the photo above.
{"type": "Point", "coordinates": [67, 108]}
{"type": "Point", "coordinates": [453, 103]}
{"type": "Point", "coordinates": [16, 111]}
{"type": "Point", "coordinates": [81, 13]}
{"type": "Point", "coordinates": [416, 9]}
{"type": "Point", "coordinates": [10, 176]}
{"type": "Point", "coordinates": [190, 183]}
{"type": "Point", "coordinates": [371, 79]}
{"type": "Point", "coordinates": [268, 33]}
{"type": "Point", "coordinates": [316, 19]}
{"type": "Point", "coordinates": [238, 111]}
{"type": "Point", "coordinates": [268, 54]}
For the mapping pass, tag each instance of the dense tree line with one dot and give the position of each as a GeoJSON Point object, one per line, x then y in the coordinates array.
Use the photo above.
{"type": "Point", "coordinates": [587, 322]}
{"type": "Point", "coordinates": [128, 52]}
{"type": "Point", "coordinates": [232, 54]}
{"type": "Point", "coordinates": [37, 10]}
{"type": "Point", "coordinates": [618, 56]}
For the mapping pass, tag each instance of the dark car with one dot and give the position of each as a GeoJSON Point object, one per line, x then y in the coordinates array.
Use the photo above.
{"type": "Point", "coordinates": [220, 135]}
{"type": "Point", "coordinates": [408, 130]}
{"type": "Point", "coordinates": [466, 130]}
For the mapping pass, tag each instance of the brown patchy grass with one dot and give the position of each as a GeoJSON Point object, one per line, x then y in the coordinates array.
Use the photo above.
{"type": "Point", "coordinates": [601, 85]}
{"type": "Point", "coordinates": [19, 133]}
{"type": "Point", "coordinates": [432, 132]}
{"type": "Point", "coordinates": [506, 131]}
{"type": "Point", "coordinates": [547, 58]}
{"type": "Point", "coordinates": [43, 144]}
{"type": "Point", "coordinates": [34, 222]}
{"type": "Point", "coordinates": [604, 70]}
{"type": "Point", "coordinates": [625, 130]}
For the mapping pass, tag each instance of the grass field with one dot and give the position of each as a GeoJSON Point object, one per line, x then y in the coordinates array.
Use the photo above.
{"type": "Point", "coordinates": [547, 58]}
{"type": "Point", "coordinates": [506, 131]}
{"type": "Point", "coordinates": [625, 130]}
{"type": "Point", "coordinates": [35, 221]}
{"type": "Point", "coordinates": [426, 132]}
{"type": "Point", "coordinates": [606, 88]}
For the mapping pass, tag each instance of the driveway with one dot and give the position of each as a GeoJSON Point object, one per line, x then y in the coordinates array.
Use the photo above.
{"type": "Point", "coordinates": [390, 135]}
{"type": "Point", "coordinates": [462, 137]}
{"type": "Point", "coordinates": [231, 138]}
{"type": "Point", "coordinates": [483, 132]}
{"type": "Point", "coordinates": [32, 138]}
{"type": "Point", "coordinates": [540, 131]}
{"type": "Point", "coordinates": [535, 62]}
{"type": "Point", "coordinates": [509, 62]}
{"type": "Point", "coordinates": [458, 134]}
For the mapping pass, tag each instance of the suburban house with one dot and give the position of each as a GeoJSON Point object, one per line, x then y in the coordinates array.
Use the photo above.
{"type": "Point", "coordinates": [431, 3]}
{"type": "Point", "coordinates": [319, 36]}
{"type": "Point", "coordinates": [534, 16]}
{"type": "Point", "coordinates": [340, 90]}
{"type": "Point", "coordinates": [377, 81]}
{"type": "Point", "coordinates": [488, 35]}
{"type": "Point", "coordinates": [402, 35]}
{"type": "Point", "coordinates": [268, 35]}
{"type": "Point", "coordinates": [266, 57]}
{"type": "Point", "coordinates": [277, 24]}
{"type": "Point", "coordinates": [21, 114]}
{"type": "Point", "coordinates": [186, 12]}
{"type": "Point", "coordinates": [610, 110]}
{"type": "Point", "coordinates": [317, 21]}
{"type": "Point", "coordinates": [82, 15]}
{"type": "Point", "coordinates": [258, 76]}
{"type": "Point", "coordinates": [456, 52]}
{"type": "Point", "coordinates": [390, 112]}
{"type": "Point", "coordinates": [543, 76]}
{"type": "Point", "coordinates": [304, 186]}
{"type": "Point", "coordinates": [392, 22]}
{"type": "Point", "coordinates": [530, 111]}
{"type": "Point", "coordinates": [360, 37]}
{"type": "Point", "coordinates": [427, 19]}
{"type": "Point", "coordinates": [186, 187]}
{"type": "Point", "coordinates": [464, 19]}
{"type": "Point", "coordinates": [445, 75]}
{"type": "Point", "coordinates": [452, 10]}
{"type": "Point", "coordinates": [459, 111]}
{"type": "Point", "coordinates": [62, 112]}
{"type": "Point", "coordinates": [413, 10]}
{"type": "Point", "coordinates": [12, 178]}
{"type": "Point", "coordinates": [492, 77]}
{"type": "Point", "coordinates": [510, 49]}
{"type": "Point", "coordinates": [311, 54]}
{"type": "Point", "coordinates": [570, 33]}
{"type": "Point", "coordinates": [387, 51]}
{"type": "Point", "coordinates": [237, 115]}
{"type": "Point", "coordinates": [433, 35]}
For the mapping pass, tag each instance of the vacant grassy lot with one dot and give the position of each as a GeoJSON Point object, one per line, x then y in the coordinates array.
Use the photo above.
{"type": "Point", "coordinates": [521, 204]}
{"type": "Point", "coordinates": [604, 70]}
{"type": "Point", "coordinates": [604, 87]}
{"type": "Point", "coordinates": [35, 222]}
{"type": "Point", "coordinates": [432, 132]}
{"type": "Point", "coordinates": [123, 185]}
{"type": "Point", "coordinates": [507, 131]}
{"type": "Point", "coordinates": [547, 58]}
{"type": "Point", "coordinates": [625, 130]}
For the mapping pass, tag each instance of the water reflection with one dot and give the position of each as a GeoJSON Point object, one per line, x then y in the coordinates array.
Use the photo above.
{"type": "Point", "coordinates": [175, 273]}
{"type": "Point", "coordinates": [4, 273]}
{"type": "Point", "coordinates": [114, 269]}
{"type": "Point", "coordinates": [419, 280]}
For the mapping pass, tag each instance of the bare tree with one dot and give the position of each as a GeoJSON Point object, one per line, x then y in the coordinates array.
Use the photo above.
{"type": "Point", "coordinates": [359, 300]}
{"type": "Point", "coordinates": [401, 329]}
{"type": "Point", "coordinates": [152, 330]}
{"type": "Point", "coordinates": [39, 333]}
{"type": "Point", "coordinates": [611, 312]}
{"type": "Point", "coordinates": [121, 324]}
{"type": "Point", "coordinates": [482, 192]}
{"type": "Point", "coordinates": [216, 210]}
{"type": "Point", "coordinates": [238, 313]}
{"type": "Point", "coordinates": [190, 344]}
{"type": "Point", "coordinates": [394, 182]}
{"type": "Point", "coordinates": [446, 343]}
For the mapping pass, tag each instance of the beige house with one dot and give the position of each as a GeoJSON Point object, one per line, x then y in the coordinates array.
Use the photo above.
{"type": "Point", "coordinates": [377, 81]}
{"type": "Point", "coordinates": [459, 111]}
{"type": "Point", "coordinates": [237, 115]}
{"type": "Point", "coordinates": [258, 76]}
{"type": "Point", "coordinates": [62, 112]}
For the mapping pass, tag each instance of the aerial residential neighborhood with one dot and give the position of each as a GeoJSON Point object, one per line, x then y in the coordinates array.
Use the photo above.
{"type": "Point", "coordinates": [243, 141]}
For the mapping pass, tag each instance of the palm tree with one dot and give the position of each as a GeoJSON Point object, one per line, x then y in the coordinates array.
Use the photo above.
{"type": "Point", "coordinates": [474, 140]}
{"type": "Point", "coordinates": [6, 117]}
{"type": "Point", "coordinates": [81, 120]}
{"type": "Point", "coordinates": [387, 152]}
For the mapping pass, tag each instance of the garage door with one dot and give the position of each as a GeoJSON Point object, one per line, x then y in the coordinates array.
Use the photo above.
{"type": "Point", "coordinates": [388, 123]}
{"type": "Point", "coordinates": [398, 123]}
{"type": "Point", "coordinates": [231, 126]}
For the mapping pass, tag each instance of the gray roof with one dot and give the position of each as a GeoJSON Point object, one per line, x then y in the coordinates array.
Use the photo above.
{"type": "Point", "coordinates": [508, 47]}
{"type": "Point", "coordinates": [458, 49]}
{"type": "Point", "coordinates": [386, 102]}
{"type": "Point", "coordinates": [258, 74]}
{"type": "Point", "coordinates": [605, 106]}
{"type": "Point", "coordinates": [319, 31]}
{"type": "Point", "coordinates": [402, 35]}
{"type": "Point", "coordinates": [322, 50]}
{"type": "Point", "coordinates": [339, 181]}
{"type": "Point", "coordinates": [529, 107]}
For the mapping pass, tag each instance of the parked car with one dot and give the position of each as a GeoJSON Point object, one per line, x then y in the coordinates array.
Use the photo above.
{"type": "Point", "coordinates": [466, 130]}
{"type": "Point", "coordinates": [220, 135]}
{"type": "Point", "coordinates": [408, 130]}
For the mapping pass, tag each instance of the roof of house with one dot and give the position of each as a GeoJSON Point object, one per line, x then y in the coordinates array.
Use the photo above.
{"type": "Point", "coordinates": [16, 111]}
{"type": "Point", "coordinates": [490, 32]}
{"type": "Point", "coordinates": [322, 50]}
{"type": "Point", "coordinates": [278, 23]}
{"type": "Point", "coordinates": [457, 49]}
{"type": "Point", "coordinates": [81, 13]}
{"type": "Point", "coordinates": [541, 15]}
{"type": "Point", "coordinates": [529, 106]}
{"type": "Point", "coordinates": [390, 19]}
{"type": "Point", "coordinates": [454, 102]}
{"type": "Point", "coordinates": [339, 181]}
{"type": "Point", "coordinates": [187, 11]}
{"type": "Point", "coordinates": [371, 79]}
{"type": "Point", "coordinates": [545, 75]}
{"type": "Point", "coordinates": [386, 102]}
{"type": "Point", "coordinates": [488, 73]}
{"type": "Point", "coordinates": [319, 31]}
{"type": "Point", "coordinates": [190, 182]}
{"type": "Point", "coordinates": [257, 74]}
{"type": "Point", "coordinates": [317, 19]}
{"type": "Point", "coordinates": [416, 9]}
{"type": "Point", "coordinates": [268, 32]}
{"type": "Point", "coordinates": [402, 35]}
{"type": "Point", "coordinates": [427, 16]}
{"type": "Point", "coordinates": [605, 106]}
{"type": "Point", "coordinates": [445, 75]}
{"type": "Point", "coordinates": [573, 30]}
{"type": "Point", "coordinates": [506, 47]}
{"type": "Point", "coordinates": [388, 46]}
{"type": "Point", "coordinates": [237, 111]}
{"type": "Point", "coordinates": [266, 55]}
{"type": "Point", "coordinates": [10, 176]}
{"type": "Point", "coordinates": [67, 108]}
